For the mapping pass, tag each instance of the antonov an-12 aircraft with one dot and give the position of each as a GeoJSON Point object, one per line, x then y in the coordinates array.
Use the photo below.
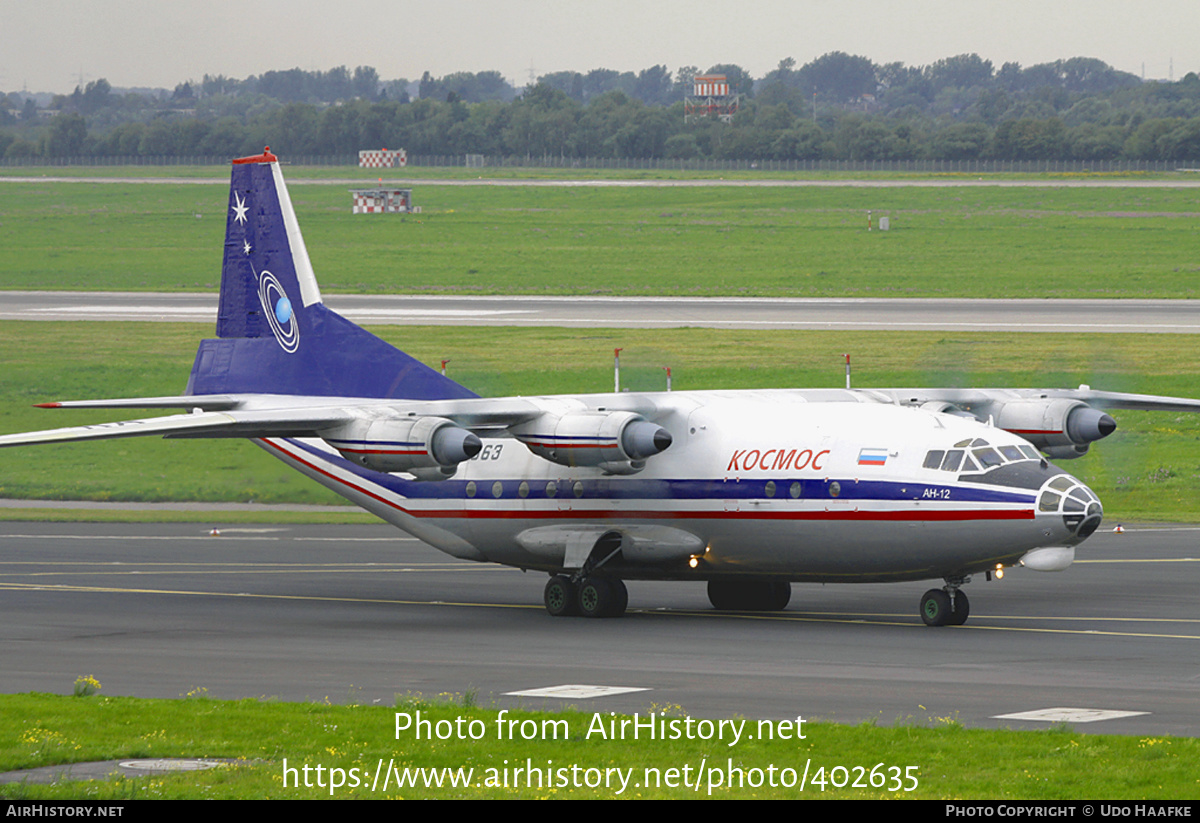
{"type": "Point", "coordinates": [746, 490]}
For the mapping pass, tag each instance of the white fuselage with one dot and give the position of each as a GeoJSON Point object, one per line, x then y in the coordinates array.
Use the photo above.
{"type": "Point", "coordinates": [755, 483]}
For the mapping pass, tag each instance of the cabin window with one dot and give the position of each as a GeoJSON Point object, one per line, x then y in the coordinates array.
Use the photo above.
{"type": "Point", "coordinates": [770, 489]}
{"type": "Point", "coordinates": [551, 489]}
{"type": "Point", "coordinates": [471, 489]}
{"type": "Point", "coordinates": [497, 489]}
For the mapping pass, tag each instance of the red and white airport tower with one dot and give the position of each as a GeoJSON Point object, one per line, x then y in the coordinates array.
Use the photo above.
{"type": "Point", "coordinates": [710, 98]}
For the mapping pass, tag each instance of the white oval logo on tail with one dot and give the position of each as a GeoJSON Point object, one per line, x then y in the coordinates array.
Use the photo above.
{"type": "Point", "coordinates": [278, 309]}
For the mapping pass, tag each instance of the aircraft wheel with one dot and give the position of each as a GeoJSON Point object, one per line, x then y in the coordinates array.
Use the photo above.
{"type": "Point", "coordinates": [778, 595]}
{"type": "Point", "coordinates": [725, 595]}
{"type": "Point", "coordinates": [601, 597]}
{"type": "Point", "coordinates": [962, 608]}
{"type": "Point", "coordinates": [935, 608]}
{"type": "Point", "coordinates": [738, 595]}
{"type": "Point", "coordinates": [560, 597]}
{"type": "Point", "coordinates": [620, 597]}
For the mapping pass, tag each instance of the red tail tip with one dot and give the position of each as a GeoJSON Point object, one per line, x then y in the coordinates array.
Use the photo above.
{"type": "Point", "coordinates": [47, 405]}
{"type": "Point", "coordinates": [265, 157]}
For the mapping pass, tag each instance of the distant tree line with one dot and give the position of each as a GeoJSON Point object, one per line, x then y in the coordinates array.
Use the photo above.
{"type": "Point", "coordinates": [839, 106]}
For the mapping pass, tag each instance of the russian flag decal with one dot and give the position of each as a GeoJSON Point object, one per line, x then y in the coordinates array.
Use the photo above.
{"type": "Point", "coordinates": [872, 457]}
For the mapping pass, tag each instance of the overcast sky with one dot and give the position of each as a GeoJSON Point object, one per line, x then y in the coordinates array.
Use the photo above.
{"type": "Point", "coordinates": [48, 45]}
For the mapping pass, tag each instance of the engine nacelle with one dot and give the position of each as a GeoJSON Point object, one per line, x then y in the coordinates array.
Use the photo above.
{"type": "Point", "coordinates": [943, 407]}
{"type": "Point", "coordinates": [429, 447]}
{"type": "Point", "coordinates": [1058, 427]}
{"type": "Point", "coordinates": [1065, 452]}
{"type": "Point", "coordinates": [617, 442]}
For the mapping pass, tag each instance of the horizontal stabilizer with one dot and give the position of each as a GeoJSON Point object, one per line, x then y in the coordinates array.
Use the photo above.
{"type": "Point", "coordinates": [208, 402]}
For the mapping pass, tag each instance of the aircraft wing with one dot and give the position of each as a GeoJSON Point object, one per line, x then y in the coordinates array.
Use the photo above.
{"type": "Point", "coordinates": [271, 416]}
{"type": "Point", "coordinates": [1122, 400]}
{"type": "Point", "coordinates": [1060, 422]}
{"type": "Point", "coordinates": [974, 398]}
{"type": "Point", "coordinates": [293, 423]}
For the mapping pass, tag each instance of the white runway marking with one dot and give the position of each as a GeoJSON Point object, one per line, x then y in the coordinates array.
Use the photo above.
{"type": "Point", "coordinates": [1064, 715]}
{"type": "Point", "coordinates": [577, 692]}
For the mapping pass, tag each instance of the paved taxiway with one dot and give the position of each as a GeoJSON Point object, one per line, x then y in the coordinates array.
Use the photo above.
{"type": "Point", "coordinates": [910, 314]}
{"type": "Point", "coordinates": [363, 613]}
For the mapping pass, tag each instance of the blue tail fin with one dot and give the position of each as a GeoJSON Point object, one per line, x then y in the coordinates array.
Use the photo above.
{"type": "Point", "coordinates": [276, 336]}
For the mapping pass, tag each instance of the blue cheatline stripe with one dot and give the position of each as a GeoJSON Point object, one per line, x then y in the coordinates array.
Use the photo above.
{"type": "Point", "coordinates": [480, 512]}
{"type": "Point", "coordinates": [637, 488]}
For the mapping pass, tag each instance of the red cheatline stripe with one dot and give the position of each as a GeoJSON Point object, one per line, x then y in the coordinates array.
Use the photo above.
{"type": "Point", "coordinates": [610, 514]}
{"type": "Point", "coordinates": [570, 445]}
{"type": "Point", "coordinates": [383, 451]}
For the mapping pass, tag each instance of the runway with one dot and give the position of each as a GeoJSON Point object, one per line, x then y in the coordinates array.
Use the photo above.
{"type": "Point", "coordinates": [1069, 316]}
{"type": "Point", "coordinates": [363, 613]}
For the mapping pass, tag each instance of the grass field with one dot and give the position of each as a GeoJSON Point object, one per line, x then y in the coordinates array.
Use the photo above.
{"type": "Point", "coordinates": [576, 172]}
{"type": "Point", "coordinates": [947, 760]}
{"type": "Point", "coordinates": [1148, 469]}
{"type": "Point", "coordinates": [767, 241]}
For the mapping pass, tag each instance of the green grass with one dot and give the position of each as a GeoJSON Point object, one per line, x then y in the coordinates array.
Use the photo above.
{"type": "Point", "coordinates": [300, 171]}
{"type": "Point", "coordinates": [219, 516]}
{"type": "Point", "coordinates": [951, 761]}
{"type": "Point", "coordinates": [768, 241]}
{"type": "Point", "coordinates": [1149, 469]}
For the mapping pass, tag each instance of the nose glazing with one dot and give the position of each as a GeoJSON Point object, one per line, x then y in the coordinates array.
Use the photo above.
{"type": "Point", "coordinates": [1076, 503]}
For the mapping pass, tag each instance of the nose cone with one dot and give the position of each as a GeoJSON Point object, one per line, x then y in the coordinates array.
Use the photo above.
{"type": "Point", "coordinates": [1079, 507]}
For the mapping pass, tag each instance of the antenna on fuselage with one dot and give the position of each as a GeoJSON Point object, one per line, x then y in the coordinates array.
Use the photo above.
{"type": "Point", "coordinates": [847, 369]}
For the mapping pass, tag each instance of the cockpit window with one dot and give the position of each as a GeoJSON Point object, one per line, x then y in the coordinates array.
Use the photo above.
{"type": "Point", "coordinates": [988, 458]}
{"type": "Point", "coordinates": [1011, 453]}
{"type": "Point", "coordinates": [985, 456]}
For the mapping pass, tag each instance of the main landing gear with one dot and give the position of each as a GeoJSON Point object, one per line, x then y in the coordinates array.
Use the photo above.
{"type": "Point", "coordinates": [591, 597]}
{"type": "Point", "coordinates": [946, 607]}
{"type": "Point", "coordinates": [749, 595]}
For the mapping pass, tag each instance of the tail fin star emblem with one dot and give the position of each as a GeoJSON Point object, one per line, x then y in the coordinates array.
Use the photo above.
{"type": "Point", "coordinates": [239, 209]}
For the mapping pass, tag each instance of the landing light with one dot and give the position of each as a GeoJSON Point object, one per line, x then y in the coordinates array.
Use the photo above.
{"type": "Point", "coordinates": [693, 561]}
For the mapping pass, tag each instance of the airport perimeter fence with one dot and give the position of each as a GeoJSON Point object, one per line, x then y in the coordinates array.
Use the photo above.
{"type": "Point", "coordinates": [656, 164]}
